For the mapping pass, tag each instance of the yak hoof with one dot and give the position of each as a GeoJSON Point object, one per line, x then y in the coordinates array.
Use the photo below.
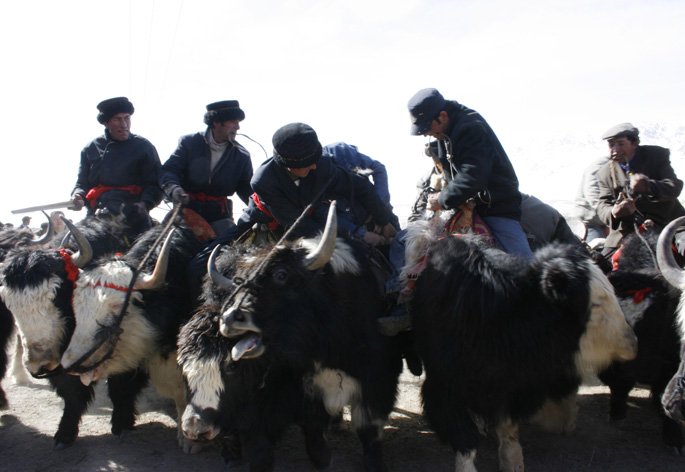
{"type": "Point", "coordinates": [60, 446]}
{"type": "Point", "coordinates": [123, 435]}
{"type": "Point", "coordinates": [319, 453]}
{"type": "Point", "coordinates": [190, 447]}
{"type": "Point", "coordinates": [231, 450]}
{"type": "Point", "coordinates": [617, 422]}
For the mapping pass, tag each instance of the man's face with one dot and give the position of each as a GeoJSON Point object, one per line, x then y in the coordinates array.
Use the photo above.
{"type": "Point", "coordinates": [622, 149]}
{"type": "Point", "coordinates": [119, 126]}
{"type": "Point", "coordinates": [303, 171]}
{"type": "Point", "coordinates": [225, 131]}
{"type": "Point", "coordinates": [438, 129]}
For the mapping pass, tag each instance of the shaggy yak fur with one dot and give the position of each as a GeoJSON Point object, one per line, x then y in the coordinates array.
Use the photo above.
{"type": "Point", "coordinates": [650, 305]}
{"type": "Point", "coordinates": [38, 292]}
{"type": "Point", "coordinates": [499, 336]}
{"type": "Point", "coordinates": [150, 325]}
{"type": "Point", "coordinates": [300, 344]}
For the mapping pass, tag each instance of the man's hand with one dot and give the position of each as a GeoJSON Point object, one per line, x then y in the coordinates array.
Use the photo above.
{"type": "Point", "coordinates": [388, 231]}
{"type": "Point", "coordinates": [178, 195]}
{"type": "Point", "coordinates": [639, 183]}
{"type": "Point", "coordinates": [373, 239]}
{"type": "Point", "coordinates": [433, 203]}
{"type": "Point", "coordinates": [79, 202]}
{"type": "Point", "coordinates": [624, 206]}
{"type": "Point", "coordinates": [141, 208]}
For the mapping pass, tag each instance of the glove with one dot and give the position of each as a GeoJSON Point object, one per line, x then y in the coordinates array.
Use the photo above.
{"type": "Point", "coordinates": [79, 202]}
{"type": "Point", "coordinates": [178, 195]}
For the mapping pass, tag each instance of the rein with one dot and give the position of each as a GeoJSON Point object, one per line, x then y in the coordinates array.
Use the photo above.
{"type": "Point", "coordinates": [241, 283]}
{"type": "Point", "coordinates": [112, 333]}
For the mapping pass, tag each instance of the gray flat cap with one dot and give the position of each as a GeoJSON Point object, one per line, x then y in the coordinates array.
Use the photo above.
{"type": "Point", "coordinates": [622, 129]}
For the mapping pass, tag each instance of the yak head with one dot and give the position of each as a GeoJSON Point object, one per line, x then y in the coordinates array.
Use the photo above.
{"type": "Point", "coordinates": [203, 355]}
{"type": "Point", "coordinates": [36, 287]}
{"type": "Point", "coordinates": [268, 283]}
{"type": "Point", "coordinates": [100, 295]}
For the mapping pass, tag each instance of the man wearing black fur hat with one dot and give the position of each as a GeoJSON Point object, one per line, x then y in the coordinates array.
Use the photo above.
{"type": "Point", "coordinates": [207, 167]}
{"type": "Point", "coordinates": [297, 173]}
{"type": "Point", "coordinates": [638, 183]}
{"type": "Point", "coordinates": [118, 170]}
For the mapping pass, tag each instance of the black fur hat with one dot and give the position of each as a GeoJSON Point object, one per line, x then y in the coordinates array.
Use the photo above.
{"type": "Point", "coordinates": [224, 111]}
{"type": "Point", "coordinates": [110, 107]}
{"type": "Point", "coordinates": [296, 146]}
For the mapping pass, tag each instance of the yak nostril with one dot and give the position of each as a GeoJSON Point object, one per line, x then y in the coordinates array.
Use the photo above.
{"type": "Point", "coordinates": [234, 314]}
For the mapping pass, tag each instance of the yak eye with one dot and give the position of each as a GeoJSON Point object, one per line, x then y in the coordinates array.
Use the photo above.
{"type": "Point", "coordinates": [280, 276]}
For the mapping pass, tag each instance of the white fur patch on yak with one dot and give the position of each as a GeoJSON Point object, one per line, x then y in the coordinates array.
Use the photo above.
{"type": "Point", "coordinates": [336, 388]}
{"type": "Point", "coordinates": [608, 337]}
{"type": "Point", "coordinates": [42, 326]}
{"type": "Point", "coordinates": [204, 381]}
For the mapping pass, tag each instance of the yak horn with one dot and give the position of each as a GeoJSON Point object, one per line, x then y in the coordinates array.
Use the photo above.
{"type": "Point", "coordinates": [320, 256]}
{"type": "Point", "coordinates": [158, 276]}
{"type": "Point", "coordinates": [47, 236]}
{"type": "Point", "coordinates": [664, 255]}
{"type": "Point", "coordinates": [219, 279]}
{"type": "Point", "coordinates": [85, 252]}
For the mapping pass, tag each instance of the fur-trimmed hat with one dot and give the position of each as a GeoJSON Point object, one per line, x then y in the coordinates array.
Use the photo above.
{"type": "Point", "coordinates": [226, 110]}
{"type": "Point", "coordinates": [296, 146]}
{"type": "Point", "coordinates": [110, 107]}
{"type": "Point", "coordinates": [621, 129]}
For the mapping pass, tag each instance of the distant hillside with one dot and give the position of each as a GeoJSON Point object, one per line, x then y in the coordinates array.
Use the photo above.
{"type": "Point", "coordinates": [551, 169]}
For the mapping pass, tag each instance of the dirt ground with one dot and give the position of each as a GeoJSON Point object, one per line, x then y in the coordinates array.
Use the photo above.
{"type": "Point", "coordinates": [26, 431]}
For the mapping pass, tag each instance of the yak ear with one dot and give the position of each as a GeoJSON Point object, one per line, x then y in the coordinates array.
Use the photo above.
{"type": "Point", "coordinates": [563, 280]}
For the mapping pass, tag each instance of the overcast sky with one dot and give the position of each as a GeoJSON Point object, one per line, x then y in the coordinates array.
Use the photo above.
{"type": "Point", "coordinates": [536, 70]}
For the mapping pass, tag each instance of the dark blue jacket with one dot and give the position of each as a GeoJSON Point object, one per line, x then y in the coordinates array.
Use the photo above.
{"type": "Point", "coordinates": [479, 167]}
{"type": "Point", "coordinates": [119, 164]}
{"type": "Point", "coordinates": [351, 159]}
{"type": "Point", "coordinates": [286, 200]}
{"type": "Point", "coordinates": [189, 167]}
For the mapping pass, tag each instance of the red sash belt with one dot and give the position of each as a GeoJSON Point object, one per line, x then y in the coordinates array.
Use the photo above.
{"type": "Point", "coordinates": [203, 197]}
{"type": "Point", "coordinates": [95, 192]}
{"type": "Point", "coordinates": [272, 225]}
